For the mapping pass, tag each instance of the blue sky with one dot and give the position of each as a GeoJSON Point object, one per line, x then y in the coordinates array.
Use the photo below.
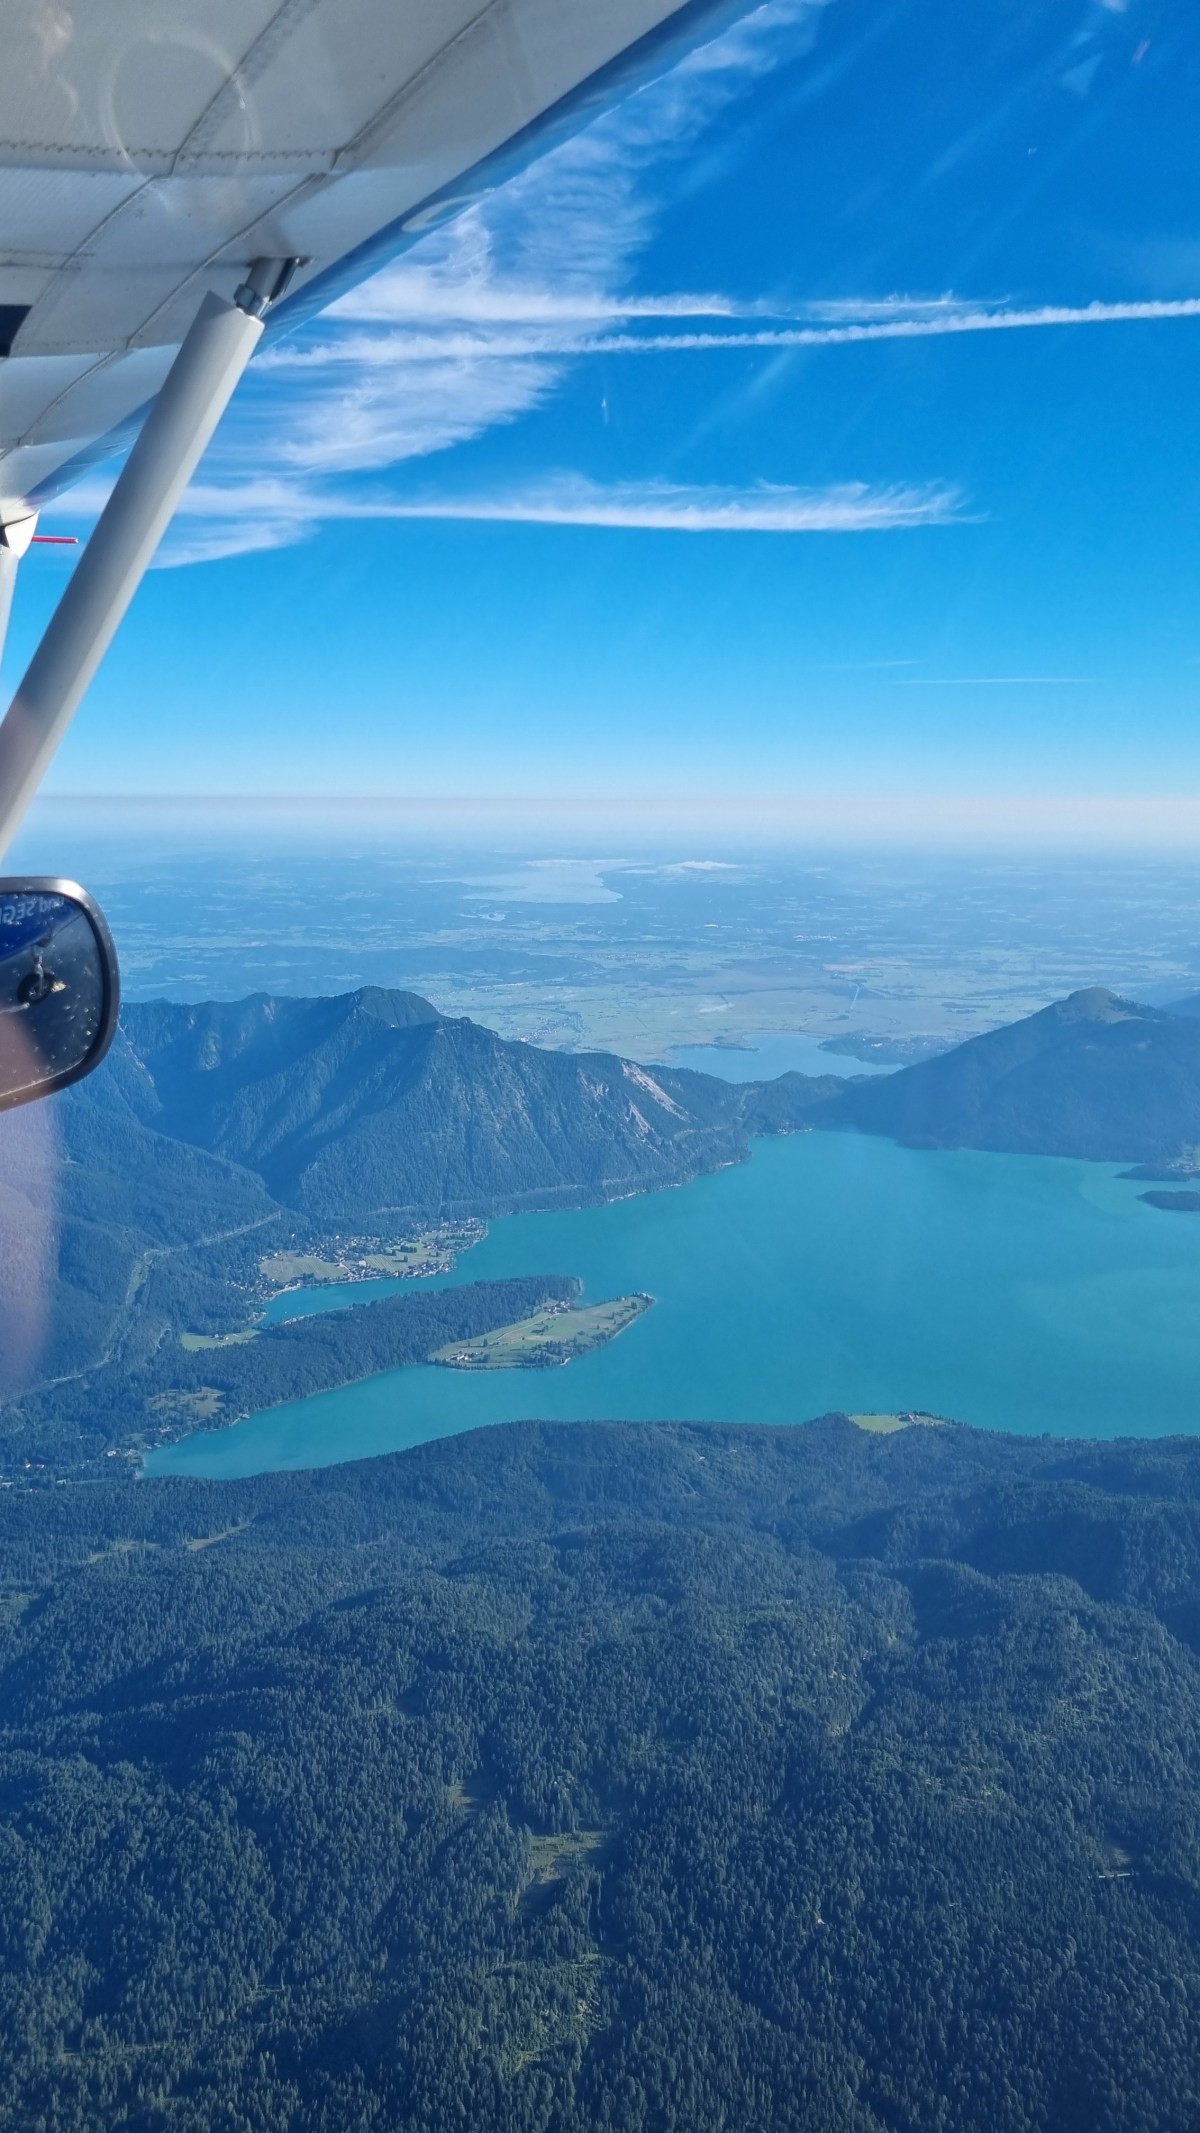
{"type": "Point", "coordinates": [820, 426]}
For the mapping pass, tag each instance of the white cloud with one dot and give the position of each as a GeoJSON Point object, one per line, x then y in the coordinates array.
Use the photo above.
{"type": "Point", "coordinates": [903, 325]}
{"type": "Point", "coordinates": [541, 338]}
{"type": "Point", "coordinates": [364, 400]}
{"type": "Point", "coordinates": [274, 514]}
{"type": "Point", "coordinates": [767, 507]}
{"type": "Point", "coordinates": [420, 296]}
{"type": "Point", "coordinates": [477, 327]}
{"type": "Point", "coordinates": [553, 246]}
{"type": "Point", "coordinates": [366, 409]}
{"type": "Point", "coordinates": [465, 354]}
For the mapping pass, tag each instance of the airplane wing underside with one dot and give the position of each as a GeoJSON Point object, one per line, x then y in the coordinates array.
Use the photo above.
{"type": "Point", "coordinates": [151, 149]}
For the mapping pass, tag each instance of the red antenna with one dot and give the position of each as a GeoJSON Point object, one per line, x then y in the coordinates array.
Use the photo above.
{"type": "Point", "coordinates": [57, 540]}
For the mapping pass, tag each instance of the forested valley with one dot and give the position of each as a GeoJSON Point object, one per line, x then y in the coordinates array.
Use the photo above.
{"type": "Point", "coordinates": [581, 1776]}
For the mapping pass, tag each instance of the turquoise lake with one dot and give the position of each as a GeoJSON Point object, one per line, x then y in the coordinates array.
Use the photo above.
{"type": "Point", "coordinates": [830, 1271]}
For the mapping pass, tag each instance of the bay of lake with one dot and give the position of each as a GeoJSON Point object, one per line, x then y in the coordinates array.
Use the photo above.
{"type": "Point", "coordinates": [831, 1271]}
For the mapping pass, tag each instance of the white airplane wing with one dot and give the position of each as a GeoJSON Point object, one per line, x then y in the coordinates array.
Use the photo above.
{"type": "Point", "coordinates": [151, 149]}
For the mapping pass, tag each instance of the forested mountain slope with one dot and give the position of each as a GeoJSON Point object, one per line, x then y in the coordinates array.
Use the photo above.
{"type": "Point", "coordinates": [91, 1201]}
{"type": "Point", "coordinates": [1092, 1076]}
{"type": "Point", "coordinates": [372, 1100]}
{"type": "Point", "coordinates": [560, 1777]}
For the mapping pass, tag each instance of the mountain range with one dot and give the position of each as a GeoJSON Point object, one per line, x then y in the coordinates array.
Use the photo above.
{"type": "Point", "coordinates": [214, 1132]}
{"type": "Point", "coordinates": [373, 1103]}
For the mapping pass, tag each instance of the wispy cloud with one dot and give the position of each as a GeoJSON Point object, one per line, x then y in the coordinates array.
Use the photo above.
{"type": "Point", "coordinates": [994, 681]}
{"type": "Point", "coordinates": [465, 353]}
{"type": "Point", "coordinates": [415, 294]}
{"type": "Point", "coordinates": [216, 521]}
{"type": "Point", "coordinates": [536, 331]}
{"type": "Point", "coordinates": [767, 507]}
{"type": "Point", "coordinates": [551, 249]}
{"type": "Point", "coordinates": [901, 323]}
{"type": "Point", "coordinates": [466, 324]}
{"type": "Point", "coordinates": [480, 325]}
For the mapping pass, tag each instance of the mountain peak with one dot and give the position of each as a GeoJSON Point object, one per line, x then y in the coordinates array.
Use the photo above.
{"type": "Point", "coordinates": [1095, 1003]}
{"type": "Point", "coordinates": [372, 1099]}
{"type": "Point", "coordinates": [396, 1010]}
{"type": "Point", "coordinates": [1094, 1076]}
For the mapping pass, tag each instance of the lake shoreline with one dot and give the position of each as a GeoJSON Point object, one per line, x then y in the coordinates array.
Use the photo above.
{"type": "Point", "coordinates": [836, 1272]}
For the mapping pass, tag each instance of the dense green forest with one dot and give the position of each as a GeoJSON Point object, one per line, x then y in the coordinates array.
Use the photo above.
{"type": "Point", "coordinates": [647, 1777]}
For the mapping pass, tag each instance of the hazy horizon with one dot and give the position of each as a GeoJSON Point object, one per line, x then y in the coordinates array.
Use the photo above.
{"type": "Point", "coordinates": [956, 824]}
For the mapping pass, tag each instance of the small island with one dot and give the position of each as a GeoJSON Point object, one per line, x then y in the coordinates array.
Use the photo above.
{"type": "Point", "coordinates": [1173, 1203]}
{"type": "Point", "coordinates": [557, 1334]}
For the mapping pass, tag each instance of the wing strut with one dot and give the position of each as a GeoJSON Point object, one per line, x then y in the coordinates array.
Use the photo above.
{"type": "Point", "coordinates": [194, 395]}
{"type": "Point", "coordinates": [15, 537]}
{"type": "Point", "coordinates": [8, 581]}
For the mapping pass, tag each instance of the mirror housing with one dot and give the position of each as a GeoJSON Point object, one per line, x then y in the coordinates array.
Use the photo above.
{"type": "Point", "coordinates": [60, 990]}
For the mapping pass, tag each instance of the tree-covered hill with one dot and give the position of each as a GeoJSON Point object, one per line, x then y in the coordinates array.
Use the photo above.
{"type": "Point", "coordinates": [92, 1201]}
{"type": "Point", "coordinates": [1092, 1076]}
{"type": "Point", "coordinates": [653, 1777]}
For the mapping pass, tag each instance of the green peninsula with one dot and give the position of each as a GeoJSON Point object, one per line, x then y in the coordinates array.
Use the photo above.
{"type": "Point", "coordinates": [556, 1334]}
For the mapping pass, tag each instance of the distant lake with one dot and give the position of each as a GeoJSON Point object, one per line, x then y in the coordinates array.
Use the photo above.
{"type": "Point", "coordinates": [763, 1057]}
{"type": "Point", "coordinates": [831, 1271]}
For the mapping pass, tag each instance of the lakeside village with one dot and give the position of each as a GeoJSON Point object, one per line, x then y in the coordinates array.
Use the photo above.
{"type": "Point", "coordinates": [427, 1251]}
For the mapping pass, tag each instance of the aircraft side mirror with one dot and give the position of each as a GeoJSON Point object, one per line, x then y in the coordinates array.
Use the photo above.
{"type": "Point", "coordinates": [59, 988]}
